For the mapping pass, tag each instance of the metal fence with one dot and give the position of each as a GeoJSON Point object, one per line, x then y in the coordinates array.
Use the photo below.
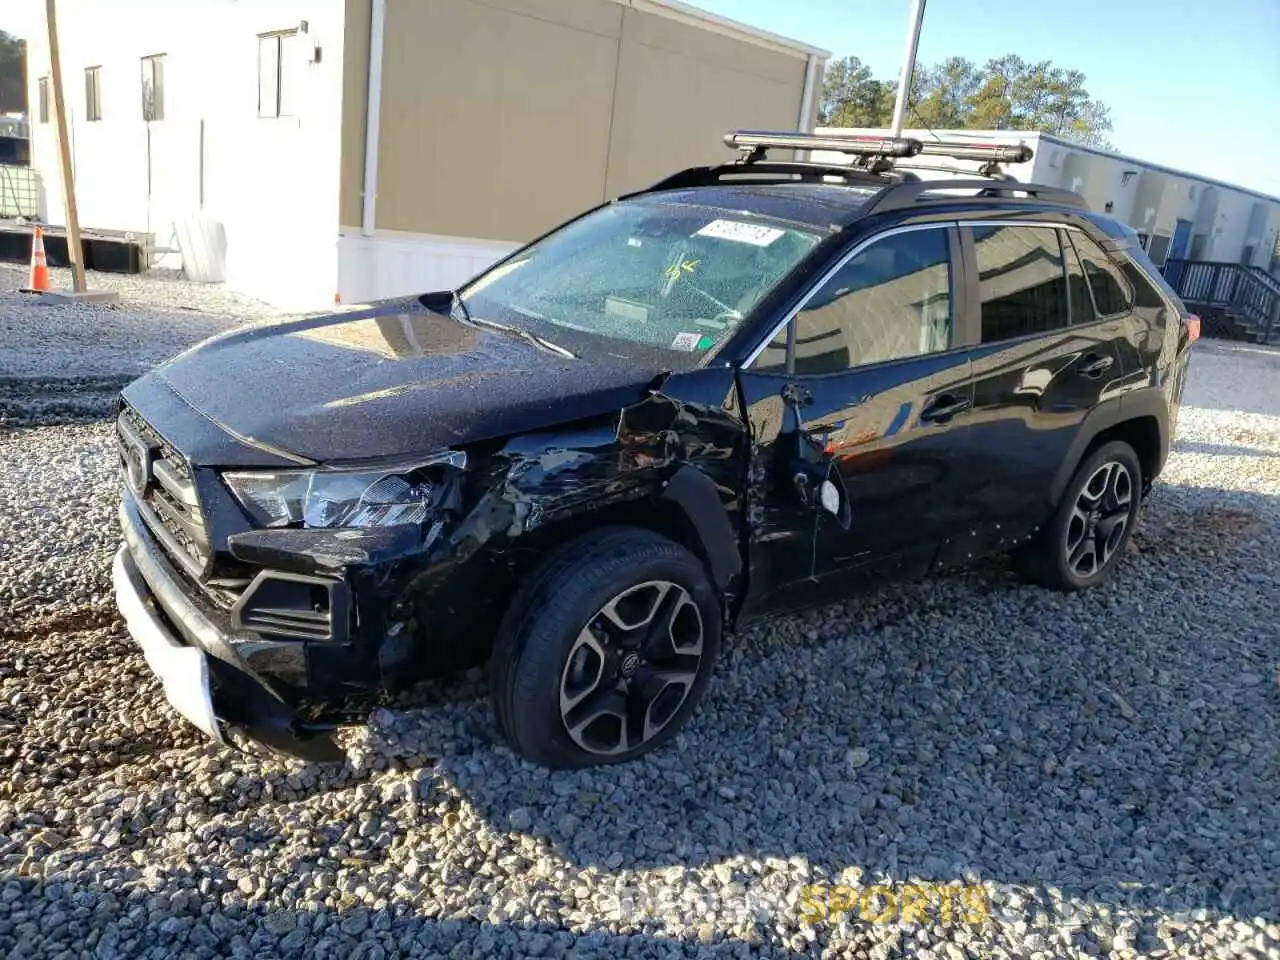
{"type": "Point", "coordinates": [1236, 300]}
{"type": "Point", "coordinates": [19, 191]}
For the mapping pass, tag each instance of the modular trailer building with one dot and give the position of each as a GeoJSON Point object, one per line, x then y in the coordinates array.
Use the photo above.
{"type": "Point", "coordinates": [299, 149]}
{"type": "Point", "coordinates": [1178, 215]}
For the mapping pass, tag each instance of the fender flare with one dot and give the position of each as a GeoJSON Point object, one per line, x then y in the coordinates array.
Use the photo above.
{"type": "Point", "coordinates": [1102, 417]}
{"type": "Point", "coordinates": [696, 496]}
{"type": "Point", "coordinates": [1148, 402]}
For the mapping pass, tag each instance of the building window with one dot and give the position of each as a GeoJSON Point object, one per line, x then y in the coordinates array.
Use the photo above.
{"type": "Point", "coordinates": [92, 93]}
{"type": "Point", "coordinates": [153, 87]}
{"type": "Point", "coordinates": [43, 91]}
{"type": "Point", "coordinates": [277, 73]}
{"type": "Point", "coordinates": [1159, 249]}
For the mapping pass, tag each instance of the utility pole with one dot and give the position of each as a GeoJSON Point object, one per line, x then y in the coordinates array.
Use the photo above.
{"type": "Point", "coordinates": [74, 249]}
{"type": "Point", "coordinates": [908, 67]}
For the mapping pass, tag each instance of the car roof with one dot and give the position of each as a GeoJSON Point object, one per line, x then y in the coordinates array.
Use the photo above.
{"type": "Point", "coordinates": [824, 206]}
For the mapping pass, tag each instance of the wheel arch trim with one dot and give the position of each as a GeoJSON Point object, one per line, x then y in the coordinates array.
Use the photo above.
{"type": "Point", "coordinates": [693, 492]}
{"type": "Point", "coordinates": [1107, 416]}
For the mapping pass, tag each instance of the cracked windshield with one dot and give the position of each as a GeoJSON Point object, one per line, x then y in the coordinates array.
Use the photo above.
{"type": "Point", "coordinates": [671, 276]}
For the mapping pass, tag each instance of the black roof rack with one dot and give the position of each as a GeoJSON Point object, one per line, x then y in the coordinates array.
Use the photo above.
{"type": "Point", "coordinates": [873, 166]}
{"type": "Point", "coordinates": [909, 193]}
{"type": "Point", "coordinates": [755, 143]}
{"type": "Point", "coordinates": [772, 172]}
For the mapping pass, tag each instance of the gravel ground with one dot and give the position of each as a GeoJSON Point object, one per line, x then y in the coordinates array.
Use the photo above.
{"type": "Point", "coordinates": [1094, 775]}
{"type": "Point", "coordinates": [63, 363]}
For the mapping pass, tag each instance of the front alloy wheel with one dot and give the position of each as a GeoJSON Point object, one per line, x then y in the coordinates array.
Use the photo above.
{"type": "Point", "coordinates": [631, 668]}
{"type": "Point", "coordinates": [605, 650]}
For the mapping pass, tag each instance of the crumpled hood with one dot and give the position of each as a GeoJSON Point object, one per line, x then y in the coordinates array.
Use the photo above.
{"type": "Point", "coordinates": [390, 380]}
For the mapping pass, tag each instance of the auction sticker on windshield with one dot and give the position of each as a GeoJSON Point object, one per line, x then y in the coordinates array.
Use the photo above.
{"type": "Point", "coordinates": [740, 232]}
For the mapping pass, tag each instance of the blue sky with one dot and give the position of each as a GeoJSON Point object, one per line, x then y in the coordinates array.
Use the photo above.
{"type": "Point", "coordinates": [1169, 70]}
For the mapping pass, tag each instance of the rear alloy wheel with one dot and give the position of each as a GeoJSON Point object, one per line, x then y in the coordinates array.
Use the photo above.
{"type": "Point", "coordinates": [606, 650]}
{"type": "Point", "coordinates": [1099, 519]}
{"type": "Point", "coordinates": [1088, 533]}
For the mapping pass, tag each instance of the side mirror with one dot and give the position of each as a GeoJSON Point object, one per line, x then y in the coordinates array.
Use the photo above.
{"type": "Point", "coordinates": [818, 483]}
{"type": "Point", "coordinates": [814, 476]}
{"type": "Point", "coordinates": [438, 301]}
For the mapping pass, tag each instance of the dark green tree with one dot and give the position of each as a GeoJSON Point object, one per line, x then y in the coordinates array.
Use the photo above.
{"type": "Point", "coordinates": [1005, 93]}
{"type": "Point", "coordinates": [940, 95]}
{"type": "Point", "coordinates": [13, 99]}
{"type": "Point", "coordinates": [851, 97]}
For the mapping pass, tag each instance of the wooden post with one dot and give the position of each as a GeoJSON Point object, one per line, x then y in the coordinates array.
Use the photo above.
{"type": "Point", "coordinates": [74, 249]}
{"type": "Point", "coordinates": [26, 100]}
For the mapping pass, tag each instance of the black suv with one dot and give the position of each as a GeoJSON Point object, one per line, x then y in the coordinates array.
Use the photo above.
{"type": "Point", "coordinates": [750, 388]}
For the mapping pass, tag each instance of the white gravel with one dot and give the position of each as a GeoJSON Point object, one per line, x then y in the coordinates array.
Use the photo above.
{"type": "Point", "coordinates": [62, 363]}
{"type": "Point", "coordinates": [1104, 767]}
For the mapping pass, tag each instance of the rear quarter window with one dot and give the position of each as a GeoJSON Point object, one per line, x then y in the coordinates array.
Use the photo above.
{"type": "Point", "coordinates": [1149, 286]}
{"type": "Point", "coordinates": [1144, 291]}
{"type": "Point", "coordinates": [1111, 293]}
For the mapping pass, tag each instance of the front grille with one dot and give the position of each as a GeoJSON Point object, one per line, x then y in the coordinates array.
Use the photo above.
{"type": "Point", "coordinates": [161, 479]}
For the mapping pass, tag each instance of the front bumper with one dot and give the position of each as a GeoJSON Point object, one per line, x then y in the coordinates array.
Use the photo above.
{"type": "Point", "coordinates": [204, 678]}
{"type": "Point", "coordinates": [183, 670]}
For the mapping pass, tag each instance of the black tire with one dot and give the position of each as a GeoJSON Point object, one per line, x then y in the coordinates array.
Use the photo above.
{"type": "Point", "coordinates": [564, 600]}
{"type": "Point", "coordinates": [1080, 525]}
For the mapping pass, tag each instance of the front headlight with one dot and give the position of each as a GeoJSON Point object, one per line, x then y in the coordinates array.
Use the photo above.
{"type": "Point", "coordinates": [342, 498]}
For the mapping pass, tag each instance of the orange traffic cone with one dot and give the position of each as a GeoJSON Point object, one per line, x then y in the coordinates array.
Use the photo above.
{"type": "Point", "coordinates": [39, 280]}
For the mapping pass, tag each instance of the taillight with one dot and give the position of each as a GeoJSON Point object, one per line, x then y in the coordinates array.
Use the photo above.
{"type": "Point", "coordinates": [1193, 328]}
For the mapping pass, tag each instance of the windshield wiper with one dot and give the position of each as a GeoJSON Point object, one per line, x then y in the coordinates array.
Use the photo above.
{"type": "Point", "coordinates": [520, 334]}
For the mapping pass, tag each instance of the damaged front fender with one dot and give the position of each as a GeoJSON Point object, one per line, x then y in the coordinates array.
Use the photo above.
{"type": "Point", "coordinates": [429, 597]}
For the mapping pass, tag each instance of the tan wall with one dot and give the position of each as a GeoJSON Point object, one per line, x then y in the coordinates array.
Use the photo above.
{"type": "Point", "coordinates": [681, 88]}
{"type": "Point", "coordinates": [355, 92]}
{"type": "Point", "coordinates": [501, 118]}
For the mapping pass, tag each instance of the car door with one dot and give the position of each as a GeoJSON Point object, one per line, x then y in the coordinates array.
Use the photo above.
{"type": "Point", "coordinates": [1045, 361]}
{"type": "Point", "coordinates": [1113, 282]}
{"type": "Point", "coordinates": [866, 387]}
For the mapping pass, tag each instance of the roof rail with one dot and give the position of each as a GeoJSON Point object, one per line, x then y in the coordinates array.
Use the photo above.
{"type": "Point", "coordinates": [907, 194]}
{"type": "Point", "coordinates": [900, 186]}
{"type": "Point", "coordinates": [771, 172]}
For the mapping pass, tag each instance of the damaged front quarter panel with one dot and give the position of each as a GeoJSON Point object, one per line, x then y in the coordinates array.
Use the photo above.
{"type": "Point", "coordinates": [429, 597]}
{"type": "Point", "coordinates": [667, 461]}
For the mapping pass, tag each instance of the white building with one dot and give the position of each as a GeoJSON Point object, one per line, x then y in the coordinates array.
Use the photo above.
{"type": "Point", "coordinates": [302, 148]}
{"type": "Point", "coordinates": [1178, 214]}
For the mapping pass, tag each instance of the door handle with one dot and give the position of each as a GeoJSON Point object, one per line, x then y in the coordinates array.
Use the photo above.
{"type": "Point", "coordinates": [1093, 365]}
{"type": "Point", "coordinates": [943, 407]}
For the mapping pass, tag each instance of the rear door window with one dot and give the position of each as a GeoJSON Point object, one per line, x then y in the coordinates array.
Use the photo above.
{"type": "Point", "coordinates": [1021, 282]}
